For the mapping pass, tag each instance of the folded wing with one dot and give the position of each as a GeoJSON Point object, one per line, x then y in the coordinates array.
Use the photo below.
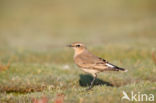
{"type": "Point", "coordinates": [90, 61]}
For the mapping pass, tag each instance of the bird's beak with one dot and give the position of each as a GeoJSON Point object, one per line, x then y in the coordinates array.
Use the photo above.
{"type": "Point", "coordinates": [69, 46]}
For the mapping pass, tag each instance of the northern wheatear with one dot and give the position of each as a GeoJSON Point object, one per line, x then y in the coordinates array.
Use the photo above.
{"type": "Point", "coordinates": [91, 63]}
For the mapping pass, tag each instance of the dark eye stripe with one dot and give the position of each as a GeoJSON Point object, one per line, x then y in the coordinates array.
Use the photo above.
{"type": "Point", "coordinates": [77, 45]}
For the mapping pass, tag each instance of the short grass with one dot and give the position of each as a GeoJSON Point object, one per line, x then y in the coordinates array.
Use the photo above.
{"type": "Point", "coordinates": [34, 62]}
{"type": "Point", "coordinates": [36, 74]}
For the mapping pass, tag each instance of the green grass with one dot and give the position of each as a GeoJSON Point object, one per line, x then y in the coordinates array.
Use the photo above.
{"type": "Point", "coordinates": [36, 74]}
{"type": "Point", "coordinates": [33, 35]}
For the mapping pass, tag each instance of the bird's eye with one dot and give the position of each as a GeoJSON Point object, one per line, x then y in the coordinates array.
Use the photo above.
{"type": "Point", "coordinates": [78, 45]}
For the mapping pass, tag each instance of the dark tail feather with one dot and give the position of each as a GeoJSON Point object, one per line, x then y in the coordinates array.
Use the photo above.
{"type": "Point", "coordinates": [115, 68]}
{"type": "Point", "coordinates": [120, 69]}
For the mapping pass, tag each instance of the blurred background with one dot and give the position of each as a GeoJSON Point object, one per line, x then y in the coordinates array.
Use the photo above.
{"type": "Point", "coordinates": [50, 24]}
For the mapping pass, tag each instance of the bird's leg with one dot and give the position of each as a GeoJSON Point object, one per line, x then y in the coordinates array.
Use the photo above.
{"type": "Point", "coordinates": [92, 83]}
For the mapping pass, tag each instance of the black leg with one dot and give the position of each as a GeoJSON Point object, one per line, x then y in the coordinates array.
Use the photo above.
{"type": "Point", "coordinates": [92, 83]}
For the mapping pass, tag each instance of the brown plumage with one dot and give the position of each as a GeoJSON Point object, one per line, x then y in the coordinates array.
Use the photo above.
{"type": "Point", "coordinates": [91, 63]}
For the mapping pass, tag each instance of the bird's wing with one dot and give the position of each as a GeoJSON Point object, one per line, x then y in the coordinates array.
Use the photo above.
{"type": "Point", "coordinates": [104, 65]}
{"type": "Point", "coordinates": [90, 61]}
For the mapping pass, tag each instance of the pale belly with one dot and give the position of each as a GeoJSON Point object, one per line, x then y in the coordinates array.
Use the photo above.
{"type": "Point", "coordinates": [91, 71]}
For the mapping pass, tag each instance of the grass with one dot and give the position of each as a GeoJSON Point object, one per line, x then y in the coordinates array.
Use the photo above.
{"type": "Point", "coordinates": [35, 64]}
{"type": "Point", "coordinates": [35, 74]}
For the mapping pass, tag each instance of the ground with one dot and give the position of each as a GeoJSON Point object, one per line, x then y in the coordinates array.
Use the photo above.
{"type": "Point", "coordinates": [34, 74]}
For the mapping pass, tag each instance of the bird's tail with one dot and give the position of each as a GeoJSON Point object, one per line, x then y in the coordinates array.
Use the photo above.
{"type": "Point", "coordinates": [120, 69]}
{"type": "Point", "coordinates": [115, 68]}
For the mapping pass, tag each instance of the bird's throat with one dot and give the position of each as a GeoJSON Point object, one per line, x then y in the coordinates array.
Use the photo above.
{"type": "Point", "coordinates": [78, 51]}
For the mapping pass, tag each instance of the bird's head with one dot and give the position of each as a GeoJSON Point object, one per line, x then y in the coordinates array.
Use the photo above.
{"type": "Point", "coordinates": [77, 46]}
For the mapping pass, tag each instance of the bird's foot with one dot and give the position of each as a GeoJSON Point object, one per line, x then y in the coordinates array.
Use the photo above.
{"type": "Point", "coordinates": [90, 87]}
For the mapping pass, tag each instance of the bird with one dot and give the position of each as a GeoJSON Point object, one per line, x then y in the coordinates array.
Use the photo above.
{"type": "Point", "coordinates": [91, 63]}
